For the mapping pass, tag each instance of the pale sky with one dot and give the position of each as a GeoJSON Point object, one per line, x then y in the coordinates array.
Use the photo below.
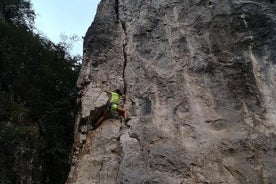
{"type": "Point", "coordinates": [55, 17]}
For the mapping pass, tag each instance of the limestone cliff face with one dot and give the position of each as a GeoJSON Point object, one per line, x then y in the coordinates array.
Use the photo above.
{"type": "Point", "coordinates": [200, 77]}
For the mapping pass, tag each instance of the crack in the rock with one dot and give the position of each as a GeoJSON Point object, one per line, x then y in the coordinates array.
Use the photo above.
{"type": "Point", "coordinates": [121, 154]}
{"type": "Point", "coordinates": [100, 171]}
{"type": "Point", "coordinates": [125, 62]}
{"type": "Point", "coordinates": [116, 8]}
{"type": "Point", "coordinates": [118, 19]}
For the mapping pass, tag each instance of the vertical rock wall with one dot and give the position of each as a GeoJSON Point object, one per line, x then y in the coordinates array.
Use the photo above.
{"type": "Point", "coordinates": [200, 77]}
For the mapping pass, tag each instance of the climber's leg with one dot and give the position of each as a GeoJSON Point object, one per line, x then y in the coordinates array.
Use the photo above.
{"type": "Point", "coordinates": [101, 119]}
{"type": "Point", "coordinates": [123, 112]}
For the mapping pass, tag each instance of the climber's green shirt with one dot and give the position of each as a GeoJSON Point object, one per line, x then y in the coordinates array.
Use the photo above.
{"type": "Point", "coordinates": [114, 101]}
{"type": "Point", "coordinates": [115, 98]}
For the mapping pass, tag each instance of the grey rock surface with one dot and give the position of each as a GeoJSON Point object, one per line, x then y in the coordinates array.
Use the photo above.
{"type": "Point", "coordinates": [200, 80]}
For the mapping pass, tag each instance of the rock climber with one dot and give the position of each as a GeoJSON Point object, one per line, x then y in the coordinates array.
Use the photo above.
{"type": "Point", "coordinates": [113, 106]}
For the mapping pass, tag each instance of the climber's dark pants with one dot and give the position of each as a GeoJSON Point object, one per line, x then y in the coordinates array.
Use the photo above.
{"type": "Point", "coordinates": [120, 110]}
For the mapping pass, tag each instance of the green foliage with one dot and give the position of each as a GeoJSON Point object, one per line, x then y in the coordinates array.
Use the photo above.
{"type": "Point", "coordinates": [18, 143]}
{"type": "Point", "coordinates": [17, 12]}
{"type": "Point", "coordinates": [37, 94]}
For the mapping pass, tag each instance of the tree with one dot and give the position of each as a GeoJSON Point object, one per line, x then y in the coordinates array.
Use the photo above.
{"type": "Point", "coordinates": [37, 91]}
{"type": "Point", "coordinates": [17, 12]}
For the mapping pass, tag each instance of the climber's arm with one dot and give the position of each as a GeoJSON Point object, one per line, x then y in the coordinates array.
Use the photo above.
{"type": "Point", "coordinates": [107, 92]}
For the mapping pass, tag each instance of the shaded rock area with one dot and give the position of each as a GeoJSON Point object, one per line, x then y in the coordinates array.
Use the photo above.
{"type": "Point", "coordinates": [200, 80]}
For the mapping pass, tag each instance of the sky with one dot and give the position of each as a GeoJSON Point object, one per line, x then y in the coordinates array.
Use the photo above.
{"type": "Point", "coordinates": [69, 17]}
